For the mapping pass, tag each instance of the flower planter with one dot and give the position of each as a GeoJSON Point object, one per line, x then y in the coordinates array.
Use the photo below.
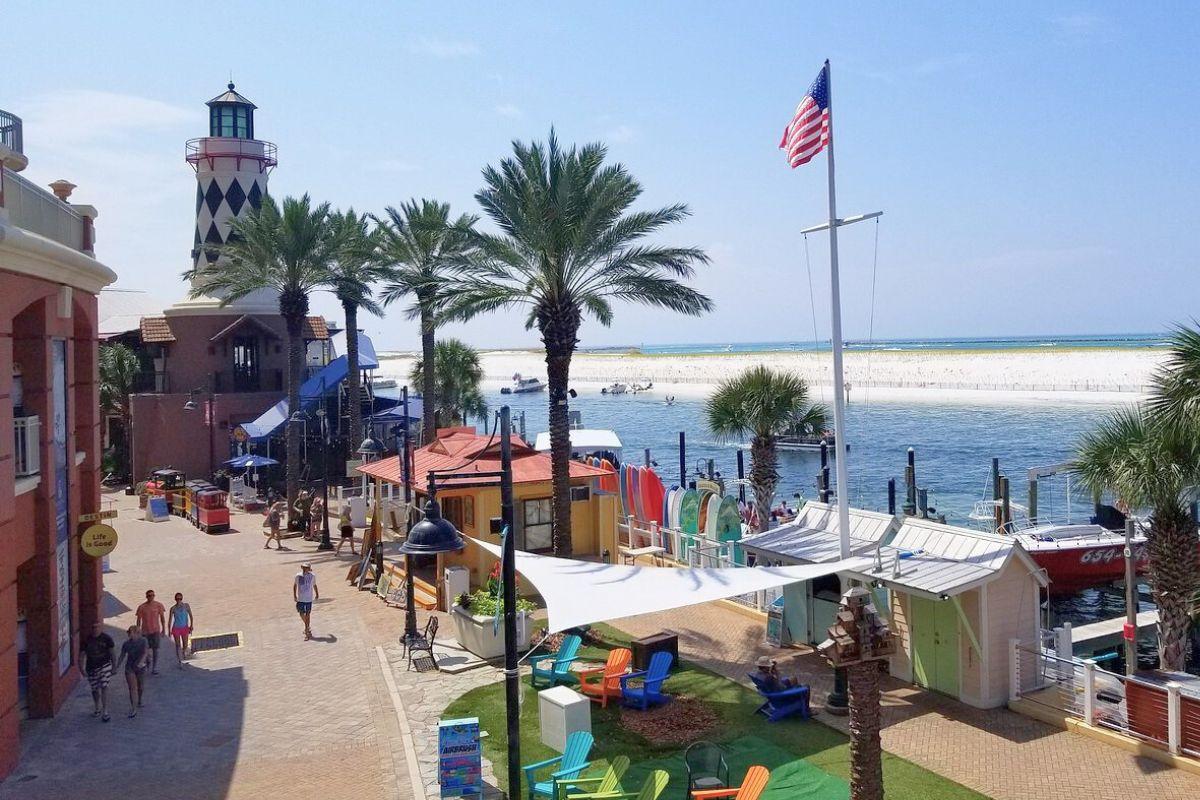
{"type": "Point", "coordinates": [475, 633]}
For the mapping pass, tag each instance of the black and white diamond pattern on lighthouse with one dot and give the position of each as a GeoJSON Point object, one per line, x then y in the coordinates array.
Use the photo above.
{"type": "Point", "coordinates": [255, 196]}
{"type": "Point", "coordinates": [213, 238]}
{"type": "Point", "coordinates": [235, 197]}
{"type": "Point", "coordinates": [199, 199]}
{"type": "Point", "coordinates": [213, 197]}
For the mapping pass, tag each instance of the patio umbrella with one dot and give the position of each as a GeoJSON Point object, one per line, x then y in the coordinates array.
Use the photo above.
{"type": "Point", "coordinates": [250, 460]}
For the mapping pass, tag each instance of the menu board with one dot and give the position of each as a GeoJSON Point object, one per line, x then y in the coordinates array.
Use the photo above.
{"type": "Point", "coordinates": [460, 758]}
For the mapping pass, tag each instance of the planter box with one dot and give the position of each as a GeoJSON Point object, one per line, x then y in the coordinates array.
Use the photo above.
{"type": "Point", "coordinates": [475, 633]}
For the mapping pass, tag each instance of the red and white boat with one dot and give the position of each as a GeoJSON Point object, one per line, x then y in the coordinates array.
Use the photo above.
{"type": "Point", "coordinates": [1076, 556]}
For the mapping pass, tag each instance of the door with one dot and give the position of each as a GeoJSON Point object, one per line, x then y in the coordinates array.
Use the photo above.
{"type": "Point", "coordinates": [933, 626]}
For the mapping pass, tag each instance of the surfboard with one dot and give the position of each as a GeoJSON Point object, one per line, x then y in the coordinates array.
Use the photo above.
{"type": "Point", "coordinates": [689, 511]}
{"type": "Point", "coordinates": [622, 476]}
{"type": "Point", "coordinates": [652, 486]}
{"type": "Point", "coordinates": [710, 518]}
{"type": "Point", "coordinates": [635, 493]}
{"type": "Point", "coordinates": [676, 500]}
{"type": "Point", "coordinates": [729, 526]}
{"type": "Point", "coordinates": [608, 481]}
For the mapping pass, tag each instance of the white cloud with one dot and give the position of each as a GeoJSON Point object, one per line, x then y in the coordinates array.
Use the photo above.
{"type": "Point", "coordinates": [510, 111]}
{"type": "Point", "coordinates": [443, 48]}
{"type": "Point", "coordinates": [620, 134]}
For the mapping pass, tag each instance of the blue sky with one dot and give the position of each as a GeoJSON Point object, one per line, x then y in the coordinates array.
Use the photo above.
{"type": "Point", "coordinates": [1035, 162]}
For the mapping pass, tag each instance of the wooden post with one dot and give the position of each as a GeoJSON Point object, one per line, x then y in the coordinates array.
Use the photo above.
{"type": "Point", "coordinates": [1005, 504]}
{"type": "Point", "coordinates": [892, 496]}
{"type": "Point", "coordinates": [997, 516]}
{"type": "Point", "coordinates": [910, 483]}
{"type": "Point", "coordinates": [741, 472]}
{"type": "Point", "coordinates": [1033, 501]}
{"type": "Point", "coordinates": [682, 462]}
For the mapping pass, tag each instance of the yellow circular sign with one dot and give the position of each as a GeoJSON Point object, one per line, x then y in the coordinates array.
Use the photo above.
{"type": "Point", "coordinates": [98, 540]}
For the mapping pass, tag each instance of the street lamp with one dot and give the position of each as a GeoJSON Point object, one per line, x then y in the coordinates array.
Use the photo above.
{"type": "Point", "coordinates": [192, 405]}
{"type": "Point", "coordinates": [298, 418]}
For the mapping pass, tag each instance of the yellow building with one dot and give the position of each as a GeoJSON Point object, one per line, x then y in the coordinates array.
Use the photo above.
{"type": "Point", "coordinates": [473, 505]}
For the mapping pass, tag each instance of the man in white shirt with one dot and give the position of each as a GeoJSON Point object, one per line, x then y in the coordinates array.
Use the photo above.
{"type": "Point", "coordinates": [305, 593]}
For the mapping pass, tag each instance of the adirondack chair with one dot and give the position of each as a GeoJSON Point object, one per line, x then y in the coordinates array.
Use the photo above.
{"type": "Point", "coordinates": [608, 783]}
{"type": "Point", "coordinates": [559, 670]}
{"type": "Point", "coordinates": [572, 762]}
{"type": "Point", "coordinates": [779, 705]}
{"type": "Point", "coordinates": [751, 788]}
{"type": "Point", "coordinates": [603, 683]}
{"type": "Point", "coordinates": [649, 692]}
{"type": "Point", "coordinates": [652, 788]}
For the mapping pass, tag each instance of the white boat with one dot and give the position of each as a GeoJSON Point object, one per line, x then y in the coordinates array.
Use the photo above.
{"type": "Point", "coordinates": [523, 385]}
{"type": "Point", "coordinates": [384, 383]}
{"type": "Point", "coordinates": [806, 442]}
{"type": "Point", "coordinates": [615, 388]}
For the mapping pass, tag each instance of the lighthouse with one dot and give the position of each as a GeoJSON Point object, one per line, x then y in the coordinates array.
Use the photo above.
{"type": "Point", "coordinates": [232, 168]}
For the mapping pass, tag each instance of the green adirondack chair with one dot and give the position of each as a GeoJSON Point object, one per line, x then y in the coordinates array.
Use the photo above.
{"type": "Point", "coordinates": [572, 762]}
{"type": "Point", "coordinates": [652, 788]}
{"type": "Point", "coordinates": [559, 670]}
{"type": "Point", "coordinates": [606, 784]}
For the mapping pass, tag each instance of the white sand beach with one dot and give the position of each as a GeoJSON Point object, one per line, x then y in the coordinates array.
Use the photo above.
{"type": "Point", "coordinates": [1081, 375]}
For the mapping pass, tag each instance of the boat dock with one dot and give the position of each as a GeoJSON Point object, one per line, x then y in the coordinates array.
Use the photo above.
{"type": "Point", "coordinates": [1096, 636]}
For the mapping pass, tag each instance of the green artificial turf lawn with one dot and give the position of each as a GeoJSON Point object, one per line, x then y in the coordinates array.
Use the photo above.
{"type": "Point", "coordinates": [816, 744]}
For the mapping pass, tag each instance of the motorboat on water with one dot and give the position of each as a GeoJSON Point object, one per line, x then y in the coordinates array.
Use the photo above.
{"type": "Point", "coordinates": [1078, 555]}
{"type": "Point", "coordinates": [806, 441]}
{"type": "Point", "coordinates": [615, 388]}
{"type": "Point", "coordinates": [523, 385]}
{"type": "Point", "coordinates": [384, 383]}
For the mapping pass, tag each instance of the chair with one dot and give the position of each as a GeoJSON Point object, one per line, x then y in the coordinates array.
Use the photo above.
{"type": "Point", "coordinates": [779, 705]}
{"type": "Point", "coordinates": [604, 682]}
{"type": "Point", "coordinates": [560, 670]}
{"type": "Point", "coordinates": [652, 788]}
{"type": "Point", "coordinates": [649, 693]}
{"type": "Point", "coordinates": [422, 641]}
{"type": "Point", "coordinates": [609, 783]}
{"type": "Point", "coordinates": [572, 762]}
{"type": "Point", "coordinates": [706, 767]}
{"type": "Point", "coordinates": [751, 788]}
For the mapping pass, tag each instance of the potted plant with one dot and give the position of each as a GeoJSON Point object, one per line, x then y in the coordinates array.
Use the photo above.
{"type": "Point", "coordinates": [475, 616]}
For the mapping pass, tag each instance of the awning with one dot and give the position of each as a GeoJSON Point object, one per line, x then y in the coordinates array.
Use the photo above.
{"type": "Point", "coordinates": [584, 592]}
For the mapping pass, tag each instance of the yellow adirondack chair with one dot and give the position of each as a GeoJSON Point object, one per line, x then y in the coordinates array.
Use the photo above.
{"type": "Point", "coordinates": [606, 784]}
{"type": "Point", "coordinates": [751, 788]}
{"type": "Point", "coordinates": [652, 788]}
{"type": "Point", "coordinates": [603, 683]}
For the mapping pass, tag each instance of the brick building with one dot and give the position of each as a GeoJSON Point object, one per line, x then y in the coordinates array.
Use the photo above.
{"type": "Point", "coordinates": [50, 462]}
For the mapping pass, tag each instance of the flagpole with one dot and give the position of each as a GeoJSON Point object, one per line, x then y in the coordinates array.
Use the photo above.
{"type": "Point", "coordinates": [835, 299]}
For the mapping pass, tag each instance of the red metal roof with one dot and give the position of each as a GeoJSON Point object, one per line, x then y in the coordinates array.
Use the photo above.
{"type": "Point", "coordinates": [454, 449]}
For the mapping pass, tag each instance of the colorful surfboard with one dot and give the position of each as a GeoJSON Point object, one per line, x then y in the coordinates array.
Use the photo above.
{"type": "Point", "coordinates": [729, 526]}
{"type": "Point", "coordinates": [702, 512]}
{"type": "Point", "coordinates": [689, 511]}
{"type": "Point", "coordinates": [676, 501]}
{"type": "Point", "coordinates": [622, 477]}
{"type": "Point", "coordinates": [635, 492]}
{"type": "Point", "coordinates": [609, 482]}
{"type": "Point", "coordinates": [710, 517]}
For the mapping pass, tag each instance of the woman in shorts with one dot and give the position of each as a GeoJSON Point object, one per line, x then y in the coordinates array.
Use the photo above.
{"type": "Point", "coordinates": [346, 529]}
{"type": "Point", "coordinates": [135, 655]}
{"type": "Point", "coordinates": [181, 621]}
{"type": "Point", "coordinates": [274, 520]}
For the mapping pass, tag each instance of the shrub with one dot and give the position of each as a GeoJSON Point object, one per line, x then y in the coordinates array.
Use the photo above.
{"type": "Point", "coordinates": [484, 604]}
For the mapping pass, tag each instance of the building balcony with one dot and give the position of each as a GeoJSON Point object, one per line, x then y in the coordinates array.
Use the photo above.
{"type": "Point", "coordinates": [40, 212]}
{"type": "Point", "coordinates": [26, 452]}
{"type": "Point", "coordinates": [10, 132]}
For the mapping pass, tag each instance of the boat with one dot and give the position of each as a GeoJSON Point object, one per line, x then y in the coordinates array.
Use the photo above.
{"type": "Point", "coordinates": [384, 383]}
{"type": "Point", "coordinates": [806, 441]}
{"type": "Point", "coordinates": [615, 388]}
{"type": "Point", "coordinates": [1076, 556]}
{"type": "Point", "coordinates": [523, 385]}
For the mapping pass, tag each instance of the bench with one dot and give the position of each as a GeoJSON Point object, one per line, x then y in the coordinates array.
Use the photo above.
{"type": "Point", "coordinates": [629, 555]}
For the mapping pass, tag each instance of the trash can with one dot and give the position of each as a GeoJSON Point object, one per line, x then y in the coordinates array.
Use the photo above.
{"type": "Point", "coordinates": [561, 712]}
{"type": "Point", "coordinates": [457, 581]}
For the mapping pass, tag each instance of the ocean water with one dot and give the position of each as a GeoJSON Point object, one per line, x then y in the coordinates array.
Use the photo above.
{"type": "Point", "coordinates": [1097, 341]}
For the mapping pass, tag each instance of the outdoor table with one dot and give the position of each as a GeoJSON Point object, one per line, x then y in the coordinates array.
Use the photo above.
{"type": "Point", "coordinates": [630, 554]}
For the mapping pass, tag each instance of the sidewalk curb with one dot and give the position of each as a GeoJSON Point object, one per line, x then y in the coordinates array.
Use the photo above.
{"type": "Point", "coordinates": [410, 751]}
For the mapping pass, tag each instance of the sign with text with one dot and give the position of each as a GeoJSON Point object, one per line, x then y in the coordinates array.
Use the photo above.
{"type": "Point", "coordinates": [96, 516]}
{"type": "Point", "coordinates": [98, 540]}
{"type": "Point", "coordinates": [460, 758]}
{"type": "Point", "coordinates": [156, 509]}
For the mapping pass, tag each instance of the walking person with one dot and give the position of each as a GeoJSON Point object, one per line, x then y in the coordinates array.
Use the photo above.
{"type": "Point", "coordinates": [305, 593]}
{"type": "Point", "coordinates": [135, 655]}
{"type": "Point", "coordinates": [182, 623]}
{"type": "Point", "coordinates": [96, 664]}
{"type": "Point", "coordinates": [346, 529]}
{"type": "Point", "coordinates": [152, 619]}
{"type": "Point", "coordinates": [274, 520]}
{"type": "Point", "coordinates": [303, 509]}
{"type": "Point", "coordinates": [317, 518]}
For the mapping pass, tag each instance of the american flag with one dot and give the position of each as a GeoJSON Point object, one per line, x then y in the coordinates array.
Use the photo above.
{"type": "Point", "coordinates": [808, 132]}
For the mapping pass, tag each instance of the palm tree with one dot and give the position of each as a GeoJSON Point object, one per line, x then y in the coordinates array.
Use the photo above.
{"type": "Point", "coordinates": [1151, 463]}
{"type": "Point", "coordinates": [352, 275]}
{"type": "Point", "coordinates": [763, 404]}
{"type": "Point", "coordinates": [119, 367]}
{"type": "Point", "coordinates": [569, 246]}
{"type": "Point", "coordinates": [288, 251]}
{"type": "Point", "coordinates": [1175, 399]}
{"type": "Point", "coordinates": [457, 375]}
{"type": "Point", "coordinates": [423, 248]}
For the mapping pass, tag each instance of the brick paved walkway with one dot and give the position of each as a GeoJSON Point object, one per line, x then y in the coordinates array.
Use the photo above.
{"type": "Point", "coordinates": [277, 717]}
{"type": "Point", "coordinates": [1001, 754]}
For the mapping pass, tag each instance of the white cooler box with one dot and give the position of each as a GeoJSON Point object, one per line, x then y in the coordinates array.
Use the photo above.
{"type": "Point", "coordinates": [562, 711]}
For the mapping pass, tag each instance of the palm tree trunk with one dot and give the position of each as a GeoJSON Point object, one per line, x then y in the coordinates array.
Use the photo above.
{"type": "Point", "coordinates": [866, 765]}
{"type": "Point", "coordinates": [295, 376]}
{"type": "Point", "coordinates": [764, 477]}
{"type": "Point", "coordinates": [559, 340]}
{"type": "Point", "coordinates": [428, 382]}
{"type": "Point", "coordinates": [353, 387]}
{"type": "Point", "coordinates": [1173, 573]}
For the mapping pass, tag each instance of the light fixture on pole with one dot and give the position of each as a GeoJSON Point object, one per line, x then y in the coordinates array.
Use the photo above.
{"type": "Point", "coordinates": [405, 456]}
{"type": "Point", "coordinates": [209, 410]}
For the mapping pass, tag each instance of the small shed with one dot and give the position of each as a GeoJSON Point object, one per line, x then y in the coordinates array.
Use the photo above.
{"type": "Point", "coordinates": [955, 598]}
{"type": "Point", "coordinates": [813, 537]}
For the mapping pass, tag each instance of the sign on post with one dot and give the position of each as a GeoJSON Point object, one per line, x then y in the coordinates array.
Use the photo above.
{"type": "Point", "coordinates": [460, 758]}
{"type": "Point", "coordinates": [98, 540]}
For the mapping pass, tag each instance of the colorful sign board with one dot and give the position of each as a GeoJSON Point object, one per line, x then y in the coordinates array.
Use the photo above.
{"type": "Point", "coordinates": [98, 540]}
{"type": "Point", "coordinates": [96, 516]}
{"type": "Point", "coordinates": [156, 509]}
{"type": "Point", "coordinates": [460, 758]}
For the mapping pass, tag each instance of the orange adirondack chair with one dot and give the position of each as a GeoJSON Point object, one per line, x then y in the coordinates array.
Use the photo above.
{"type": "Point", "coordinates": [752, 786]}
{"type": "Point", "coordinates": [601, 683]}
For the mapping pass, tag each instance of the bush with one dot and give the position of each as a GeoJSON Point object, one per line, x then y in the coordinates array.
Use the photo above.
{"type": "Point", "coordinates": [484, 604]}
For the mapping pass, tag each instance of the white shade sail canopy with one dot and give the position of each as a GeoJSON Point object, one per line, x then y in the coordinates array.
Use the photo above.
{"type": "Point", "coordinates": [584, 592]}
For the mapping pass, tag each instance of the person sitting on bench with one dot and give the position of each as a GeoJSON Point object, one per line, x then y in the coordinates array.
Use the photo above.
{"type": "Point", "coordinates": [772, 681]}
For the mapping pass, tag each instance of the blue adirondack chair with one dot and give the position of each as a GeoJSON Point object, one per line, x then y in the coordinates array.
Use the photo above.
{"type": "Point", "coordinates": [560, 670]}
{"type": "Point", "coordinates": [572, 762]}
{"type": "Point", "coordinates": [779, 705]}
{"type": "Point", "coordinates": [643, 689]}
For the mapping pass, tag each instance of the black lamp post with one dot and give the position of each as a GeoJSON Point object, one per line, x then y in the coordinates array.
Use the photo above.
{"type": "Point", "coordinates": [432, 535]}
{"type": "Point", "coordinates": [326, 543]}
{"type": "Point", "coordinates": [410, 612]}
{"type": "Point", "coordinates": [210, 412]}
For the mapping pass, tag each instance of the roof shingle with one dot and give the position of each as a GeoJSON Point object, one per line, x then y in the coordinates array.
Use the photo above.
{"type": "Point", "coordinates": [156, 330]}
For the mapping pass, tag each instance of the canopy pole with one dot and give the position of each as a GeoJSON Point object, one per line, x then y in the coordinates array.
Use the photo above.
{"type": "Point", "coordinates": [508, 578]}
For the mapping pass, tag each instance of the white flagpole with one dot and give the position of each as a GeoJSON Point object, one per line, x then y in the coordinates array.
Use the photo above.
{"type": "Point", "coordinates": [839, 388]}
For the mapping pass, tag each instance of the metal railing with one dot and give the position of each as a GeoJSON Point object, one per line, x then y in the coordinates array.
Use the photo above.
{"type": "Point", "coordinates": [37, 210]}
{"type": "Point", "coordinates": [1153, 712]}
{"type": "Point", "coordinates": [26, 453]}
{"type": "Point", "coordinates": [10, 132]}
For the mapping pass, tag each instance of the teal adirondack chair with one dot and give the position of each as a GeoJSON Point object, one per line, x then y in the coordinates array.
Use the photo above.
{"type": "Point", "coordinates": [572, 762]}
{"type": "Point", "coordinates": [607, 783]}
{"type": "Point", "coordinates": [560, 670]}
